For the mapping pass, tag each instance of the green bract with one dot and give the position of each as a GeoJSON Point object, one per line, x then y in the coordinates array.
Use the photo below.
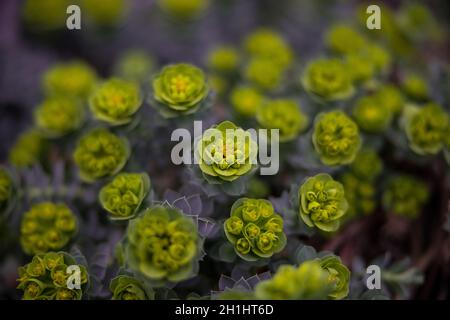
{"type": "Point", "coordinates": [390, 97]}
{"type": "Point", "coordinates": [224, 59]}
{"type": "Point", "coordinates": [226, 153]}
{"type": "Point", "coordinates": [336, 138]}
{"type": "Point", "coordinates": [162, 245]}
{"type": "Point", "coordinates": [254, 229]}
{"type": "Point", "coordinates": [328, 79]}
{"type": "Point", "coordinates": [179, 89]}
{"type": "Point", "coordinates": [405, 196]}
{"type": "Point", "coordinates": [47, 226]}
{"type": "Point", "coordinates": [100, 153]}
{"type": "Point", "coordinates": [367, 164]}
{"type": "Point", "coordinates": [338, 276]}
{"type": "Point", "coordinates": [115, 101]}
{"type": "Point", "coordinates": [343, 39]}
{"type": "Point", "coordinates": [246, 100]}
{"type": "Point", "coordinates": [322, 202]}
{"type": "Point", "coordinates": [263, 73]}
{"type": "Point", "coordinates": [75, 79]}
{"type": "Point", "coordinates": [426, 128]}
{"type": "Point", "coordinates": [371, 115]}
{"type": "Point", "coordinates": [285, 115]}
{"type": "Point", "coordinates": [135, 65]}
{"type": "Point", "coordinates": [58, 116]}
{"type": "Point", "coordinates": [28, 149]}
{"type": "Point", "coordinates": [123, 196]}
{"type": "Point", "coordinates": [47, 277]}
{"type": "Point", "coordinates": [360, 195]}
{"type": "Point", "coordinates": [6, 190]}
{"type": "Point", "coordinates": [308, 281]}
{"type": "Point", "coordinates": [128, 288]}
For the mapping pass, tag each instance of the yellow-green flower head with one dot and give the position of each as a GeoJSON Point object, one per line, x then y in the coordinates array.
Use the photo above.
{"type": "Point", "coordinates": [360, 195]}
{"type": "Point", "coordinates": [380, 57]}
{"type": "Point", "coordinates": [254, 229]}
{"type": "Point", "coordinates": [47, 226]}
{"type": "Point", "coordinates": [28, 149]}
{"type": "Point", "coordinates": [415, 87]}
{"type": "Point", "coordinates": [360, 67]}
{"type": "Point", "coordinates": [128, 288]}
{"type": "Point", "coordinates": [266, 43]}
{"type": "Point", "coordinates": [367, 165]}
{"type": "Point", "coordinates": [426, 128]}
{"type": "Point", "coordinates": [371, 115]}
{"type": "Point", "coordinates": [390, 96]}
{"type": "Point", "coordinates": [115, 101]}
{"type": "Point", "coordinates": [219, 84]}
{"type": "Point", "coordinates": [57, 116]}
{"type": "Point", "coordinates": [180, 89]}
{"type": "Point", "coordinates": [263, 73]}
{"type": "Point", "coordinates": [246, 100]}
{"type": "Point", "coordinates": [322, 202]}
{"type": "Point", "coordinates": [100, 154]}
{"type": "Point", "coordinates": [309, 281]}
{"type": "Point", "coordinates": [45, 15]}
{"type": "Point", "coordinates": [226, 152]}
{"type": "Point", "coordinates": [123, 196]}
{"type": "Point", "coordinates": [328, 79]}
{"type": "Point", "coordinates": [46, 277]}
{"type": "Point", "coordinates": [285, 115]}
{"type": "Point", "coordinates": [184, 10]}
{"type": "Point", "coordinates": [336, 138]}
{"type": "Point", "coordinates": [74, 79]}
{"type": "Point", "coordinates": [104, 13]}
{"type": "Point", "coordinates": [163, 245]}
{"type": "Point", "coordinates": [223, 59]}
{"type": "Point", "coordinates": [6, 188]}
{"type": "Point", "coordinates": [343, 39]}
{"type": "Point", "coordinates": [338, 276]}
{"type": "Point", "coordinates": [405, 196]}
{"type": "Point", "coordinates": [135, 65]}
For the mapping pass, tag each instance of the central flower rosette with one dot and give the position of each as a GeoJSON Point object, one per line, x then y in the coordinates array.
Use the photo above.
{"type": "Point", "coordinates": [226, 152]}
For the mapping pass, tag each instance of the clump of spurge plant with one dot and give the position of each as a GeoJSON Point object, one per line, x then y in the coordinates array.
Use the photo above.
{"type": "Point", "coordinates": [322, 203]}
{"type": "Point", "coordinates": [226, 153]}
{"type": "Point", "coordinates": [46, 278]}
{"type": "Point", "coordinates": [115, 101]}
{"type": "Point", "coordinates": [254, 229]}
{"type": "Point", "coordinates": [336, 138]}
{"type": "Point", "coordinates": [162, 245]}
{"type": "Point", "coordinates": [285, 115]}
{"type": "Point", "coordinates": [338, 276]}
{"type": "Point", "coordinates": [47, 226]}
{"type": "Point", "coordinates": [100, 154]}
{"type": "Point", "coordinates": [123, 196]}
{"type": "Point", "coordinates": [179, 89]}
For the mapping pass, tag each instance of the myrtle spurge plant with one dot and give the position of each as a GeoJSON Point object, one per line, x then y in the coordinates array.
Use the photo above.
{"type": "Point", "coordinates": [46, 278]}
{"type": "Point", "coordinates": [254, 229]}
{"type": "Point", "coordinates": [47, 227]}
{"type": "Point", "coordinates": [246, 100]}
{"type": "Point", "coordinates": [223, 59]}
{"type": "Point", "coordinates": [372, 115]}
{"type": "Point", "coordinates": [125, 287]}
{"type": "Point", "coordinates": [338, 276]}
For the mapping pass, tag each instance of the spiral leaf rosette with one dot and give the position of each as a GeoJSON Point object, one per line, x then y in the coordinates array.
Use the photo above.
{"type": "Point", "coordinates": [226, 153]}
{"type": "Point", "coordinates": [254, 229]}
{"type": "Point", "coordinates": [47, 226]}
{"type": "Point", "coordinates": [46, 278]}
{"type": "Point", "coordinates": [162, 246]}
{"type": "Point", "coordinates": [338, 276]}
{"type": "Point", "coordinates": [336, 138]}
{"type": "Point", "coordinates": [124, 287]}
{"type": "Point", "coordinates": [179, 89]}
{"type": "Point", "coordinates": [322, 202]}
{"type": "Point", "coordinates": [123, 196]}
{"type": "Point", "coordinates": [100, 154]}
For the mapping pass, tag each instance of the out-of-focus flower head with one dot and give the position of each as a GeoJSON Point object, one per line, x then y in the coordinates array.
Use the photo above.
{"type": "Point", "coordinates": [343, 39]}
{"type": "Point", "coordinates": [47, 226]}
{"type": "Point", "coordinates": [184, 10]}
{"type": "Point", "coordinates": [123, 196]}
{"type": "Point", "coordinates": [360, 195]}
{"type": "Point", "coordinates": [135, 65]}
{"type": "Point", "coordinates": [115, 101]}
{"type": "Point", "coordinates": [125, 287]}
{"type": "Point", "coordinates": [328, 79]}
{"type": "Point", "coordinates": [6, 190]}
{"type": "Point", "coordinates": [28, 149]}
{"type": "Point", "coordinates": [46, 277]}
{"type": "Point", "coordinates": [415, 87]}
{"type": "Point", "coordinates": [257, 188]}
{"type": "Point", "coordinates": [162, 245]}
{"type": "Point", "coordinates": [426, 127]}
{"type": "Point", "coordinates": [405, 196]}
{"type": "Point", "coordinates": [360, 66]}
{"type": "Point", "coordinates": [285, 115]}
{"type": "Point", "coordinates": [391, 97]}
{"type": "Point", "coordinates": [223, 59]}
{"type": "Point", "coordinates": [338, 276]}
{"type": "Point", "coordinates": [104, 13]}
{"type": "Point", "coordinates": [246, 100]}
{"type": "Point", "coordinates": [336, 138]}
{"type": "Point", "coordinates": [371, 115]}
{"type": "Point", "coordinates": [179, 89]}
{"type": "Point", "coordinates": [367, 164]}
{"type": "Point", "coordinates": [58, 115]}
{"type": "Point", "coordinates": [418, 23]}
{"type": "Point", "coordinates": [45, 15]}
{"type": "Point", "coordinates": [226, 153]}
{"type": "Point", "coordinates": [254, 229]}
{"type": "Point", "coordinates": [264, 73]}
{"type": "Point", "coordinates": [322, 202]}
{"type": "Point", "coordinates": [99, 154]}
{"type": "Point", "coordinates": [379, 56]}
{"type": "Point", "coordinates": [306, 282]}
